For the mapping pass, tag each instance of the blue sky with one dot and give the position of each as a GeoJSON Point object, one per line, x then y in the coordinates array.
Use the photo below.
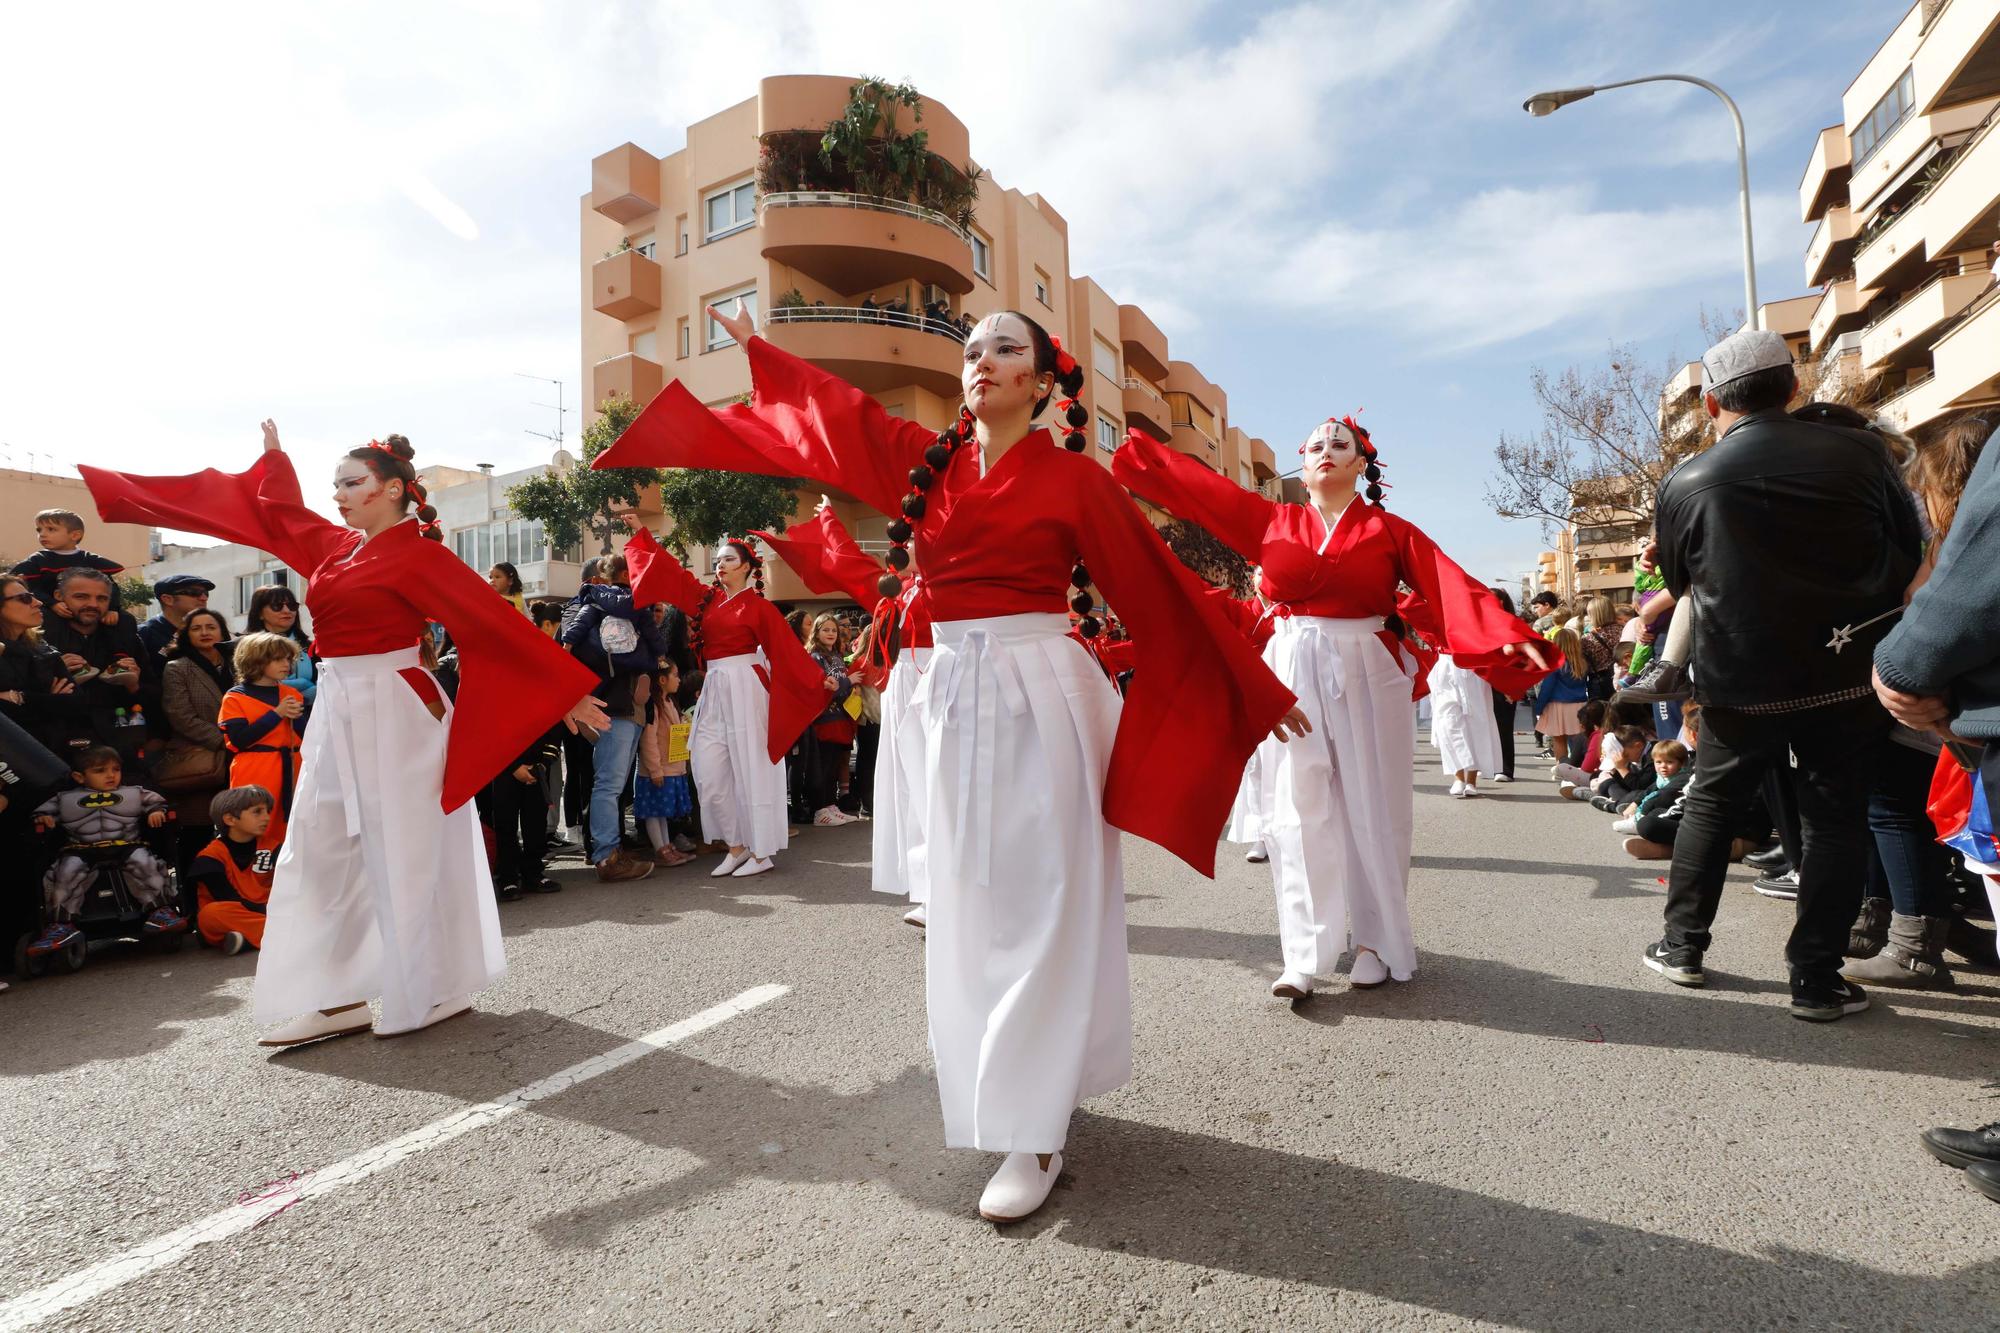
{"type": "Point", "coordinates": [364, 220]}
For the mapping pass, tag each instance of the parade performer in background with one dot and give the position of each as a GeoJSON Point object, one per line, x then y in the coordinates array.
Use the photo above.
{"type": "Point", "coordinates": [1336, 810]}
{"type": "Point", "coordinates": [828, 560]}
{"type": "Point", "coordinates": [382, 888]}
{"type": "Point", "coordinates": [1029, 767]}
{"type": "Point", "coordinates": [1463, 727]}
{"type": "Point", "coordinates": [759, 693]}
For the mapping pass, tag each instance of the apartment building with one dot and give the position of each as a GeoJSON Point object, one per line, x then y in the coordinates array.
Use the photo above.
{"type": "Point", "coordinates": [874, 289]}
{"type": "Point", "coordinates": [1906, 195]}
{"type": "Point", "coordinates": [25, 493]}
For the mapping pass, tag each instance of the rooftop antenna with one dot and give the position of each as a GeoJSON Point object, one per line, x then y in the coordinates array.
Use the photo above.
{"type": "Point", "coordinates": [560, 411]}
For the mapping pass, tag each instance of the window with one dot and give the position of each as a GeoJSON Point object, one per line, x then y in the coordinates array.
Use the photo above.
{"type": "Point", "coordinates": [1107, 433]}
{"type": "Point", "coordinates": [728, 210]}
{"type": "Point", "coordinates": [982, 257]}
{"type": "Point", "coordinates": [1883, 120]}
{"type": "Point", "coordinates": [681, 235]}
{"type": "Point", "coordinates": [1107, 363]}
{"type": "Point", "coordinates": [517, 541]}
{"type": "Point", "coordinates": [647, 344]}
{"type": "Point", "coordinates": [681, 338]}
{"type": "Point", "coordinates": [644, 243]}
{"type": "Point", "coordinates": [1042, 287]}
{"type": "Point", "coordinates": [713, 334]}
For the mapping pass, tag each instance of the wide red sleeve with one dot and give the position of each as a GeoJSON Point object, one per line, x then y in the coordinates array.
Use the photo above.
{"type": "Point", "coordinates": [826, 558]}
{"type": "Point", "coordinates": [800, 422]}
{"type": "Point", "coordinates": [1200, 700]}
{"type": "Point", "coordinates": [260, 506]}
{"type": "Point", "coordinates": [514, 683]}
{"type": "Point", "coordinates": [797, 684]}
{"type": "Point", "coordinates": [1178, 484]}
{"type": "Point", "coordinates": [658, 577]}
{"type": "Point", "coordinates": [1473, 626]}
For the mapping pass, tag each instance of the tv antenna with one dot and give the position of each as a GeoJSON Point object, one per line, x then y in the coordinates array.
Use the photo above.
{"type": "Point", "coordinates": [560, 411]}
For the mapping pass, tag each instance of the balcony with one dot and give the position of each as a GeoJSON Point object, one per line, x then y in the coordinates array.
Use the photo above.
{"type": "Point", "coordinates": [625, 183]}
{"type": "Point", "coordinates": [1892, 256]}
{"type": "Point", "coordinates": [1146, 409]}
{"type": "Point", "coordinates": [1684, 385]}
{"type": "Point", "coordinates": [1145, 345]}
{"type": "Point", "coordinates": [1959, 56]}
{"type": "Point", "coordinates": [856, 243]}
{"type": "Point", "coordinates": [1826, 173]}
{"type": "Point", "coordinates": [1902, 338]}
{"type": "Point", "coordinates": [1198, 444]}
{"type": "Point", "coordinates": [874, 350]}
{"type": "Point", "coordinates": [1967, 356]}
{"type": "Point", "coordinates": [1960, 211]}
{"type": "Point", "coordinates": [1832, 245]}
{"type": "Point", "coordinates": [627, 376]}
{"type": "Point", "coordinates": [1839, 310]}
{"type": "Point", "coordinates": [625, 285]}
{"type": "Point", "coordinates": [1263, 462]}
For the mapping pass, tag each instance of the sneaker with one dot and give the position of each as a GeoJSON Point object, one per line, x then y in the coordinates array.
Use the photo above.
{"type": "Point", "coordinates": [1457, 787]}
{"type": "Point", "coordinates": [1963, 1147]}
{"type": "Point", "coordinates": [1503, 777]}
{"type": "Point", "coordinates": [232, 943]}
{"type": "Point", "coordinates": [165, 921]}
{"type": "Point", "coordinates": [618, 867]}
{"type": "Point", "coordinates": [1682, 965]}
{"type": "Point", "coordinates": [542, 886]}
{"type": "Point", "coordinates": [1771, 860]}
{"type": "Point", "coordinates": [507, 893]}
{"type": "Point", "coordinates": [1785, 886]}
{"type": "Point", "coordinates": [1660, 681]}
{"type": "Point", "coordinates": [1604, 803]}
{"type": "Point", "coordinates": [1827, 1001]}
{"type": "Point", "coordinates": [53, 939]}
{"type": "Point", "coordinates": [1625, 826]}
{"type": "Point", "coordinates": [831, 817]}
{"type": "Point", "coordinates": [1471, 790]}
{"type": "Point", "coordinates": [1567, 790]}
{"type": "Point", "coordinates": [683, 843]}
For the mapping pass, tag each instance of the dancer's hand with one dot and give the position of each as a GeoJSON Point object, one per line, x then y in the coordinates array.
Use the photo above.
{"type": "Point", "coordinates": [1535, 649]}
{"type": "Point", "coordinates": [739, 326]}
{"type": "Point", "coordinates": [824, 505]}
{"type": "Point", "coordinates": [1296, 719]}
{"type": "Point", "coordinates": [271, 437]}
{"type": "Point", "coordinates": [587, 712]}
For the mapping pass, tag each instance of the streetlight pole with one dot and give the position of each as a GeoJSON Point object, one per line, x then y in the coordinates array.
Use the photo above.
{"type": "Point", "coordinates": [1543, 104]}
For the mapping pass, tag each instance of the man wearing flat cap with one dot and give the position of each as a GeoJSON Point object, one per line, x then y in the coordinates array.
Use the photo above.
{"type": "Point", "coordinates": [1795, 541]}
{"type": "Point", "coordinates": [179, 594]}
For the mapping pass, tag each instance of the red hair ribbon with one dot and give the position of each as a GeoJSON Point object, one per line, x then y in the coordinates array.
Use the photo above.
{"type": "Point", "coordinates": [1065, 363]}
{"type": "Point", "coordinates": [377, 444]}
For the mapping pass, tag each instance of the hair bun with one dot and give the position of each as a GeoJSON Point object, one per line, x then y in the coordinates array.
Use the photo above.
{"type": "Point", "coordinates": [426, 514]}
{"type": "Point", "coordinates": [399, 445]}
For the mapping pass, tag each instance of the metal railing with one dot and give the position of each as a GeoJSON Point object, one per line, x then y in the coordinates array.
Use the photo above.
{"type": "Point", "coordinates": [1134, 382]}
{"type": "Point", "coordinates": [868, 202]}
{"type": "Point", "coordinates": [852, 314]}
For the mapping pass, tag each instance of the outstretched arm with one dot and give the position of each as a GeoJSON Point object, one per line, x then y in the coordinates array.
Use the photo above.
{"type": "Point", "coordinates": [1189, 490]}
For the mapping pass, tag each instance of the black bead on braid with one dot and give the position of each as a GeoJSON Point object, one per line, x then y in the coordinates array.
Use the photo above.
{"type": "Point", "coordinates": [714, 590]}
{"type": "Point", "coordinates": [1373, 471]}
{"type": "Point", "coordinates": [1068, 372]}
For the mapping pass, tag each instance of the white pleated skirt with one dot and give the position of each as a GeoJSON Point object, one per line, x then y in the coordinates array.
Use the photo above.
{"type": "Point", "coordinates": [1336, 805]}
{"type": "Point", "coordinates": [1246, 816]}
{"type": "Point", "coordinates": [899, 860]}
{"type": "Point", "coordinates": [1030, 1011]}
{"type": "Point", "coordinates": [742, 792]}
{"type": "Point", "coordinates": [378, 893]}
{"type": "Point", "coordinates": [1463, 727]}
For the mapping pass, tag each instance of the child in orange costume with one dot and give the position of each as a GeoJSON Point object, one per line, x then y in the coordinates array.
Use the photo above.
{"type": "Point", "coordinates": [232, 875]}
{"type": "Point", "coordinates": [261, 720]}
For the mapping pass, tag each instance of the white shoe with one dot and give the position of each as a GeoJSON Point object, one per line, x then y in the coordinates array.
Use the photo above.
{"type": "Point", "coordinates": [438, 1014]}
{"type": "Point", "coordinates": [917, 916]}
{"type": "Point", "coordinates": [1501, 777]}
{"type": "Point", "coordinates": [755, 866]}
{"type": "Point", "coordinates": [1625, 826]}
{"type": "Point", "coordinates": [317, 1026]}
{"type": "Point", "coordinates": [1257, 855]}
{"type": "Point", "coordinates": [1019, 1187]}
{"type": "Point", "coordinates": [232, 943]}
{"type": "Point", "coordinates": [1472, 789]}
{"type": "Point", "coordinates": [729, 863]}
{"type": "Point", "coordinates": [1292, 986]}
{"type": "Point", "coordinates": [1457, 787]}
{"type": "Point", "coordinates": [832, 816]}
{"type": "Point", "coordinates": [1368, 970]}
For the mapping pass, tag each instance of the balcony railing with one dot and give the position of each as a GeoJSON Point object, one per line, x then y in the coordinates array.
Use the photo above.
{"type": "Point", "coordinates": [1134, 382]}
{"type": "Point", "coordinates": [869, 202]}
{"type": "Point", "coordinates": [852, 314]}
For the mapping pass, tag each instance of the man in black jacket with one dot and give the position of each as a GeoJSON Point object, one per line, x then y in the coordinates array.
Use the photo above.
{"type": "Point", "coordinates": [623, 646]}
{"type": "Point", "coordinates": [1797, 541]}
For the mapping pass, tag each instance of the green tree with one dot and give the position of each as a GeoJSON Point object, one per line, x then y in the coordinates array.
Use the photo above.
{"type": "Point", "coordinates": [708, 506]}
{"type": "Point", "coordinates": [134, 592]}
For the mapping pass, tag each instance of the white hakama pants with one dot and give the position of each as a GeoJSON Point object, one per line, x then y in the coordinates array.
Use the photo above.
{"type": "Point", "coordinates": [1463, 727]}
{"type": "Point", "coordinates": [378, 892]}
{"type": "Point", "coordinates": [899, 861]}
{"type": "Point", "coordinates": [1336, 804]}
{"type": "Point", "coordinates": [742, 792]}
{"type": "Point", "coordinates": [1246, 816]}
{"type": "Point", "coordinates": [1025, 968]}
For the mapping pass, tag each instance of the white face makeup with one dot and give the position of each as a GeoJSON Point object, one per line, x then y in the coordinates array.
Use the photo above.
{"type": "Point", "coordinates": [363, 501]}
{"type": "Point", "coordinates": [998, 375]}
{"type": "Point", "coordinates": [731, 568]}
{"type": "Point", "coordinates": [1331, 456]}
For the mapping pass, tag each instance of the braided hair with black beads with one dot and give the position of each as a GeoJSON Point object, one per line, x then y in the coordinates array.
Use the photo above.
{"type": "Point", "coordinates": [1373, 472]}
{"type": "Point", "coordinates": [748, 553]}
{"type": "Point", "coordinates": [1050, 358]}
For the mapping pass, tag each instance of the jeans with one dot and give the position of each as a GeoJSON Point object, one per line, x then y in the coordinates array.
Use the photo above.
{"type": "Point", "coordinates": [1505, 712]}
{"type": "Point", "coordinates": [1837, 749]}
{"type": "Point", "coordinates": [611, 773]}
{"type": "Point", "coordinates": [1909, 867]}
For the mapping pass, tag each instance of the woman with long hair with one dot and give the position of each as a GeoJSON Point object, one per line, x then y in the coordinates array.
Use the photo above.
{"type": "Point", "coordinates": [1029, 767]}
{"type": "Point", "coordinates": [274, 609]}
{"type": "Point", "coordinates": [1337, 811]}
{"type": "Point", "coordinates": [382, 890]}
{"type": "Point", "coordinates": [1560, 700]}
{"type": "Point", "coordinates": [760, 691]}
{"type": "Point", "coordinates": [833, 730]}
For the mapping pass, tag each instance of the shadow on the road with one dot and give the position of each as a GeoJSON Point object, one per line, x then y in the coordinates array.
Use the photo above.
{"type": "Point", "coordinates": [123, 1004]}
{"type": "Point", "coordinates": [1635, 879]}
{"type": "Point", "coordinates": [1197, 1200]}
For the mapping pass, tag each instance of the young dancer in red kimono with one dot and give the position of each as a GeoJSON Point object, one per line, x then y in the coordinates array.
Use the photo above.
{"type": "Point", "coordinates": [382, 888]}
{"type": "Point", "coordinates": [760, 691]}
{"type": "Point", "coordinates": [1029, 766]}
{"type": "Point", "coordinates": [1336, 809]}
{"type": "Point", "coordinates": [827, 560]}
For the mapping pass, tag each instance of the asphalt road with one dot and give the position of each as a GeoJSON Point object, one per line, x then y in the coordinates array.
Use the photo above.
{"type": "Point", "coordinates": [1535, 1133]}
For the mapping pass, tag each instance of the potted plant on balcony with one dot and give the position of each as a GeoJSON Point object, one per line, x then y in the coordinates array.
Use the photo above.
{"type": "Point", "coordinates": [864, 152]}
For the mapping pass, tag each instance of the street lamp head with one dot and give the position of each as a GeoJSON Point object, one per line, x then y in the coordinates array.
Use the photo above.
{"type": "Point", "coordinates": [1544, 104]}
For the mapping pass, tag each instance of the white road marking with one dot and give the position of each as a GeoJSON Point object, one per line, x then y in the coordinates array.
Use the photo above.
{"type": "Point", "coordinates": [30, 1308]}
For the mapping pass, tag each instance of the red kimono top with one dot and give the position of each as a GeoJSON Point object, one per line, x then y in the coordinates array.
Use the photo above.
{"type": "Point", "coordinates": [735, 626]}
{"type": "Point", "coordinates": [374, 596]}
{"type": "Point", "coordinates": [828, 560]}
{"type": "Point", "coordinates": [1001, 541]}
{"type": "Point", "coordinates": [1350, 573]}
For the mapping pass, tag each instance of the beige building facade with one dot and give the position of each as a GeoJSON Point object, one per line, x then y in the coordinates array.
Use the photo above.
{"type": "Point", "coordinates": [25, 494]}
{"type": "Point", "coordinates": [875, 290]}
